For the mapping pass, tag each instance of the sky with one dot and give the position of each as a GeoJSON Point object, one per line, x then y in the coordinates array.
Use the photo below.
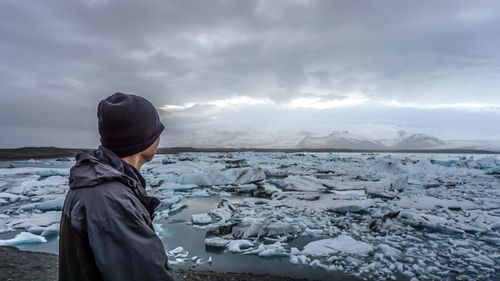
{"type": "Point", "coordinates": [251, 73]}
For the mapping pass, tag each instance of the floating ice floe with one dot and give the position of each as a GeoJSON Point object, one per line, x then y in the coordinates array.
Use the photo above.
{"type": "Point", "coordinates": [37, 219]}
{"type": "Point", "coordinates": [23, 238]}
{"type": "Point", "coordinates": [49, 205]}
{"type": "Point", "coordinates": [201, 218]}
{"type": "Point", "coordinates": [329, 202]}
{"type": "Point", "coordinates": [216, 242]}
{"type": "Point", "coordinates": [268, 250]}
{"type": "Point", "coordinates": [239, 245]}
{"type": "Point", "coordinates": [341, 243]}
{"type": "Point", "coordinates": [231, 176]}
{"type": "Point", "coordinates": [44, 231]}
{"type": "Point", "coordinates": [44, 172]}
{"type": "Point", "coordinates": [389, 251]}
{"type": "Point", "coordinates": [200, 193]}
{"type": "Point", "coordinates": [429, 202]}
{"type": "Point", "coordinates": [177, 187]}
{"type": "Point", "coordinates": [255, 228]}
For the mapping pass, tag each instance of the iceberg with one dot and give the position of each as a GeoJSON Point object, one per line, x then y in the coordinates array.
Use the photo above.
{"type": "Point", "coordinates": [232, 176]}
{"type": "Point", "coordinates": [200, 193]}
{"type": "Point", "coordinates": [389, 251]}
{"type": "Point", "coordinates": [236, 246]}
{"type": "Point", "coordinates": [176, 186]}
{"type": "Point", "coordinates": [201, 218]}
{"type": "Point", "coordinates": [255, 228]}
{"type": "Point", "coordinates": [23, 238]}
{"type": "Point", "coordinates": [344, 206]}
{"type": "Point", "coordinates": [49, 205]}
{"type": "Point", "coordinates": [341, 243]}
{"type": "Point", "coordinates": [216, 242]}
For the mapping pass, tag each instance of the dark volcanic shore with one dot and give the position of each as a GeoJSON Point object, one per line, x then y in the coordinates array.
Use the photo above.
{"type": "Point", "coordinates": [55, 152]}
{"type": "Point", "coordinates": [16, 265]}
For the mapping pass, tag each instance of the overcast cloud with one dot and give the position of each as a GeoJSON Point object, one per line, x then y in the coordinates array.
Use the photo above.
{"type": "Point", "coordinates": [251, 73]}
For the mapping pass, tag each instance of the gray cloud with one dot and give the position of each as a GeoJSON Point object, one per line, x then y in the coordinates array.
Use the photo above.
{"type": "Point", "coordinates": [59, 58]}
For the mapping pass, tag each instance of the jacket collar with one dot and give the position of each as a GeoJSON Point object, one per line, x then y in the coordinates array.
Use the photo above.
{"type": "Point", "coordinates": [102, 165]}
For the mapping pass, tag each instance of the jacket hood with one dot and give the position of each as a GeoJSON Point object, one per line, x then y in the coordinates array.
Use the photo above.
{"type": "Point", "coordinates": [101, 165]}
{"type": "Point", "coordinates": [92, 168]}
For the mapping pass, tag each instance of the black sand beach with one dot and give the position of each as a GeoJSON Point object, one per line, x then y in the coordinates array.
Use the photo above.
{"type": "Point", "coordinates": [16, 265]}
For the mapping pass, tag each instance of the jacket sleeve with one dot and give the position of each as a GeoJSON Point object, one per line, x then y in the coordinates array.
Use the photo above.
{"type": "Point", "coordinates": [125, 247]}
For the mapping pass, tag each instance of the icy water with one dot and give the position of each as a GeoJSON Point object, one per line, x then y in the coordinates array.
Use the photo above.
{"type": "Point", "coordinates": [315, 215]}
{"type": "Point", "coordinates": [178, 233]}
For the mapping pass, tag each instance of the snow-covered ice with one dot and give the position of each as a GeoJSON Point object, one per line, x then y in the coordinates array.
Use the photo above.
{"type": "Point", "coordinates": [341, 243]}
{"type": "Point", "coordinates": [201, 218]}
{"type": "Point", "coordinates": [23, 238]}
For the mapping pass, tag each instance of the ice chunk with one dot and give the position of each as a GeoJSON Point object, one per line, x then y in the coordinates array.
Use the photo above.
{"type": "Point", "coordinates": [52, 172]}
{"type": "Point", "coordinates": [200, 193]}
{"type": "Point", "coordinates": [258, 201]}
{"type": "Point", "coordinates": [246, 187]}
{"type": "Point", "coordinates": [320, 201]}
{"type": "Point", "coordinates": [274, 250]}
{"type": "Point", "coordinates": [379, 193]}
{"type": "Point", "coordinates": [44, 172]}
{"type": "Point", "coordinates": [307, 183]}
{"type": "Point", "coordinates": [399, 182]}
{"type": "Point", "coordinates": [201, 218]}
{"type": "Point", "coordinates": [231, 176]}
{"type": "Point", "coordinates": [35, 229]}
{"type": "Point", "coordinates": [488, 162]}
{"type": "Point", "coordinates": [216, 242]}
{"type": "Point", "coordinates": [341, 243]}
{"type": "Point", "coordinates": [158, 229]}
{"type": "Point", "coordinates": [23, 238]}
{"type": "Point", "coordinates": [299, 259]}
{"type": "Point", "coordinates": [169, 202]}
{"type": "Point", "coordinates": [10, 197]}
{"type": "Point", "coordinates": [429, 202]}
{"type": "Point", "coordinates": [176, 186]}
{"type": "Point", "coordinates": [51, 181]}
{"type": "Point", "coordinates": [430, 222]}
{"type": "Point", "coordinates": [482, 260]}
{"type": "Point", "coordinates": [177, 261]}
{"type": "Point", "coordinates": [313, 232]}
{"type": "Point", "coordinates": [251, 227]}
{"type": "Point", "coordinates": [344, 206]}
{"type": "Point", "coordinates": [49, 205]}
{"type": "Point", "coordinates": [51, 230]}
{"type": "Point", "coordinates": [42, 219]}
{"type": "Point", "coordinates": [238, 245]}
{"type": "Point", "coordinates": [391, 166]}
{"type": "Point", "coordinates": [221, 215]}
{"type": "Point", "coordinates": [389, 251]}
{"type": "Point", "coordinates": [176, 251]}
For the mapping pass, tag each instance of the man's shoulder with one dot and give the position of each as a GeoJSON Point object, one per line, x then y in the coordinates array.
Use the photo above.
{"type": "Point", "coordinates": [106, 193]}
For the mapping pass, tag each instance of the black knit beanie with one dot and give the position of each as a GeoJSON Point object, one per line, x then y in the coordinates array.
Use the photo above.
{"type": "Point", "coordinates": [128, 124]}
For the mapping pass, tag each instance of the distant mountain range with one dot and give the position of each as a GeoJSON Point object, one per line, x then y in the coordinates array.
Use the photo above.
{"type": "Point", "coordinates": [336, 141]}
{"type": "Point", "coordinates": [403, 140]}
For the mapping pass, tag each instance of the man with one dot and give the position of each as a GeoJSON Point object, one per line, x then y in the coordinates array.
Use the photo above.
{"type": "Point", "coordinates": [106, 230]}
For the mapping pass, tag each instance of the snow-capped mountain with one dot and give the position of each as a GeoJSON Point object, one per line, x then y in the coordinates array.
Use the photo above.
{"type": "Point", "coordinates": [341, 140]}
{"type": "Point", "coordinates": [346, 140]}
{"type": "Point", "coordinates": [406, 140]}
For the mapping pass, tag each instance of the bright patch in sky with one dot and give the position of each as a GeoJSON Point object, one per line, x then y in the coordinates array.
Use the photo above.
{"type": "Point", "coordinates": [320, 103]}
{"type": "Point", "coordinates": [218, 104]}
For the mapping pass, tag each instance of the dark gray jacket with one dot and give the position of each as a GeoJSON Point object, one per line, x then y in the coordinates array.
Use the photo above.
{"type": "Point", "coordinates": [106, 228]}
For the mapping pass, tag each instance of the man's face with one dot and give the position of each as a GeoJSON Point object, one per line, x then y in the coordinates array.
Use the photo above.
{"type": "Point", "coordinates": [151, 150]}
